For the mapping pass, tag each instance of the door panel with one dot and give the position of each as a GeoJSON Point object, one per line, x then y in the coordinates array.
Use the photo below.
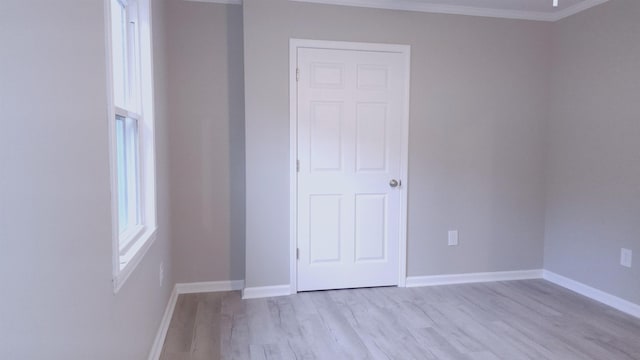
{"type": "Point", "coordinates": [372, 77]}
{"type": "Point", "coordinates": [371, 144]}
{"type": "Point", "coordinates": [349, 112]}
{"type": "Point", "coordinates": [325, 136]}
{"type": "Point", "coordinates": [325, 238]}
{"type": "Point", "coordinates": [371, 224]}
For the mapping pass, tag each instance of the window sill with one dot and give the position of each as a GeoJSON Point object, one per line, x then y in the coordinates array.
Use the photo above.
{"type": "Point", "coordinates": [128, 240]}
{"type": "Point", "coordinates": [134, 254]}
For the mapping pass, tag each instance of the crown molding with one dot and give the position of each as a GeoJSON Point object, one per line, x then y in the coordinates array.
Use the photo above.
{"type": "Point", "coordinates": [228, 2]}
{"type": "Point", "coordinates": [411, 5]}
{"type": "Point", "coordinates": [579, 7]}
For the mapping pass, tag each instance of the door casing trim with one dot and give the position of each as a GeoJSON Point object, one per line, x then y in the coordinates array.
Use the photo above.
{"type": "Point", "coordinates": [405, 51]}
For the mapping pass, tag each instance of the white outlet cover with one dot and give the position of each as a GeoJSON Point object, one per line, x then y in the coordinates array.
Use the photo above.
{"type": "Point", "coordinates": [626, 257]}
{"type": "Point", "coordinates": [453, 237]}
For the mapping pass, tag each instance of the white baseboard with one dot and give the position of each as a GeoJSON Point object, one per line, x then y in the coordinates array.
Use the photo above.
{"type": "Point", "coordinates": [266, 291]}
{"type": "Point", "coordinates": [415, 281]}
{"type": "Point", "coordinates": [187, 288]}
{"type": "Point", "coordinates": [156, 348]}
{"type": "Point", "coordinates": [209, 286]}
{"type": "Point", "coordinates": [412, 281]}
{"type": "Point", "coordinates": [593, 293]}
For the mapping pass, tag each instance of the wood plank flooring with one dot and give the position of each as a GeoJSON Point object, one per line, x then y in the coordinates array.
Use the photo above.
{"type": "Point", "coordinates": [531, 319]}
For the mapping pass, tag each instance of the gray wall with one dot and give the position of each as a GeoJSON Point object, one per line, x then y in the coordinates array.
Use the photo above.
{"type": "Point", "coordinates": [593, 191]}
{"type": "Point", "coordinates": [57, 297]}
{"type": "Point", "coordinates": [478, 114]}
{"type": "Point", "coordinates": [206, 140]}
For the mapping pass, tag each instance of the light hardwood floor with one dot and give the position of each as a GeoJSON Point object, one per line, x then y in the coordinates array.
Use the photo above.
{"type": "Point", "coordinates": [513, 320]}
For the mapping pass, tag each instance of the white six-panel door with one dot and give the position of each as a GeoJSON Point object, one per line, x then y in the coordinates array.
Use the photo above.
{"type": "Point", "coordinates": [349, 144]}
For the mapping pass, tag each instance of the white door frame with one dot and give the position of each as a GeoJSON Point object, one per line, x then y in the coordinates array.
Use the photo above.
{"type": "Point", "coordinates": [294, 45]}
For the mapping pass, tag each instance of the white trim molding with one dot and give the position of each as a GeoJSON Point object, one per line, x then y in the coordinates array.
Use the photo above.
{"type": "Point", "coordinates": [156, 348]}
{"type": "Point", "coordinates": [412, 281]}
{"type": "Point", "coordinates": [413, 5]}
{"type": "Point", "coordinates": [228, 2]}
{"type": "Point", "coordinates": [293, 167]}
{"type": "Point", "coordinates": [572, 10]}
{"type": "Point", "coordinates": [434, 280]}
{"type": "Point", "coordinates": [187, 288]}
{"type": "Point", "coordinates": [209, 286]}
{"type": "Point", "coordinates": [266, 291]}
{"type": "Point", "coordinates": [593, 293]}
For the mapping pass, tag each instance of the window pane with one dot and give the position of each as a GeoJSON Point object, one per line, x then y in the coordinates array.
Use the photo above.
{"type": "Point", "coordinates": [121, 165]}
{"type": "Point", "coordinates": [133, 171]}
{"type": "Point", "coordinates": [127, 164]}
{"type": "Point", "coordinates": [119, 52]}
{"type": "Point", "coordinates": [133, 57]}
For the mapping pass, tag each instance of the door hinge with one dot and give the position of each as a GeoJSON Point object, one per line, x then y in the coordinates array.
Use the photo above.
{"type": "Point", "coordinates": [297, 254]}
{"type": "Point", "coordinates": [297, 74]}
{"type": "Point", "coordinates": [298, 165]}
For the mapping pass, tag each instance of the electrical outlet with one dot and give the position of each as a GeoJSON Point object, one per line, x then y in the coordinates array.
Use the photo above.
{"type": "Point", "coordinates": [453, 237]}
{"type": "Point", "coordinates": [626, 257]}
{"type": "Point", "coordinates": [161, 274]}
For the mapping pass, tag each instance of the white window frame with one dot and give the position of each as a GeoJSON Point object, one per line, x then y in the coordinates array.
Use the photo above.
{"type": "Point", "coordinates": [130, 245]}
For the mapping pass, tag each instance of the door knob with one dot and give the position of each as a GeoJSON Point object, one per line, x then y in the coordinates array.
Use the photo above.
{"type": "Point", "coordinates": [394, 183]}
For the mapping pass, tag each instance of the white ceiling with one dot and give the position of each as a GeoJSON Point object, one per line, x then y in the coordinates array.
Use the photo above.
{"type": "Point", "coordinates": [542, 10]}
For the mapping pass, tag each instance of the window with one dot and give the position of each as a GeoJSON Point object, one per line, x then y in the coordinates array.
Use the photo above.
{"type": "Point", "coordinates": [131, 134]}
